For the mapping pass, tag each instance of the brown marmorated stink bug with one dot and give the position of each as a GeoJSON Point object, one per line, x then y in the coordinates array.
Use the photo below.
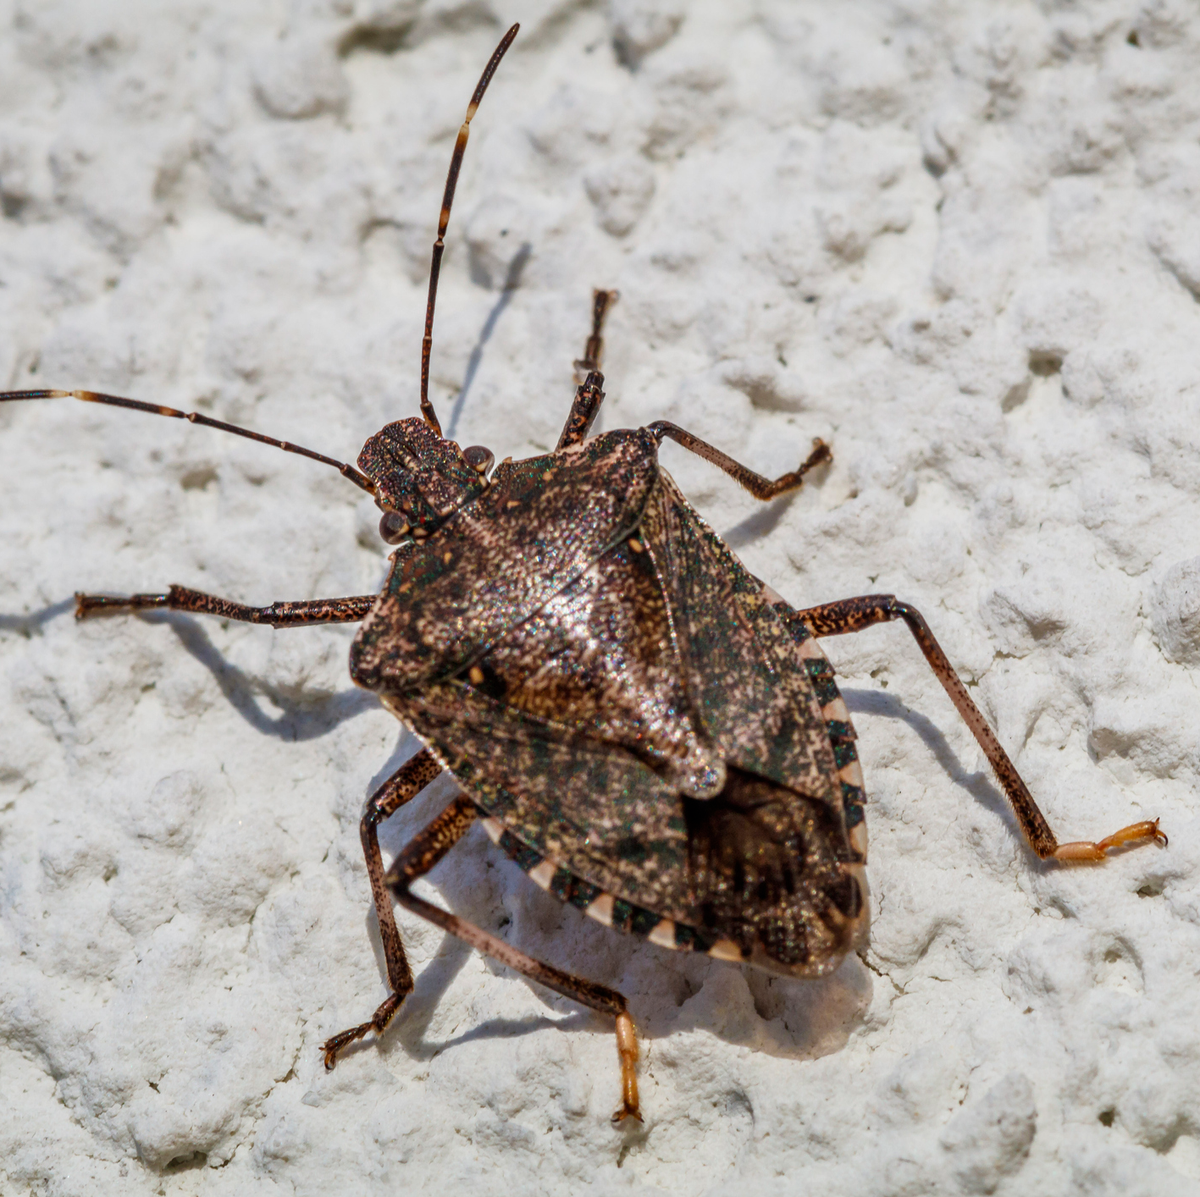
{"type": "Point", "coordinates": [653, 734]}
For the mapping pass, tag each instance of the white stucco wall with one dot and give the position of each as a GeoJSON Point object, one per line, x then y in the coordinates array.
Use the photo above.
{"type": "Point", "coordinates": [957, 240]}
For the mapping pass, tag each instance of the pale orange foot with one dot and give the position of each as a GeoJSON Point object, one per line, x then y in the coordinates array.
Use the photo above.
{"type": "Point", "coordinates": [627, 1049]}
{"type": "Point", "coordinates": [1085, 850]}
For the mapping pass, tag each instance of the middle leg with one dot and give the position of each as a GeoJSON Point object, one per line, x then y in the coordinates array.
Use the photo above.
{"type": "Point", "coordinates": [180, 598]}
{"type": "Point", "coordinates": [855, 614]}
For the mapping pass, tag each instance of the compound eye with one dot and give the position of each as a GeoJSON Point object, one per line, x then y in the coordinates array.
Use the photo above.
{"type": "Point", "coordinates": [479, 458]}
{"type": "Point", "coordinates": [394, 527]}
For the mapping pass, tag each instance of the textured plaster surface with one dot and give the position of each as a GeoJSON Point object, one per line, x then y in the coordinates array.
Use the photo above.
{"type": "Point", "coordinates": [958, 240]}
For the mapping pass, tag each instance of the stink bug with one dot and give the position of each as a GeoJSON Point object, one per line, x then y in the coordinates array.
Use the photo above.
{"type": "Point", "coordinates": [649, 731]}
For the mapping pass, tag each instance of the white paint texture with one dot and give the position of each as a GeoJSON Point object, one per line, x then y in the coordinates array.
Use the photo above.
{"type": "Point", "coordinates": [959, 240]}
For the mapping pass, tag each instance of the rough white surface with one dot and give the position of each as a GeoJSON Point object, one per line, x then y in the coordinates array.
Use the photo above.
{"type": "Point", "coordinates": [958, 240]}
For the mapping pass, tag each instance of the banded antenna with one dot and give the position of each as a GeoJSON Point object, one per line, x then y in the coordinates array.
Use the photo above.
{"type": "Point", "coordinates": [348, 471]}
{"type": "Point", "coordinates": [439, 246]}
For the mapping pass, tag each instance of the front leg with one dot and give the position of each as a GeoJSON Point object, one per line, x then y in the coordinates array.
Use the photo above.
{"type": "Point", "coordinates": [760, 487]}
{"type": "Point", "coordinates": [278, 615]}
{"type": "Point", "coordinates": [590, 395]}
{"type": "Point", "coordinates": [593, 351]}
{"type": "Point", "coordinates": [855, 614]}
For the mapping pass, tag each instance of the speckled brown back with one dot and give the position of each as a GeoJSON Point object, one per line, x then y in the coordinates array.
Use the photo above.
{"type": "Point", "coordinates": [624, 699]}
{"type": "Point", "coordinates": [498, 558]}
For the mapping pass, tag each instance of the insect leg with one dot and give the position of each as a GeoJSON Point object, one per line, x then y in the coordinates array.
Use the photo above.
{"type": "Point", "coordinates": [852, 615]}
{"type": "Point", "coordinates": [403, 786]}
{"type": "Point", "coordinates": [583, 410]}
{"type": "Point", "coordinates": [589, 396]}
{"type": "Point", "coordinates": [756, 484]}
{"type": "Point", "coordinates": [278, 615]}
{"type": "Point", "coordinates": [593, 351]}
{"type": "Point", "coordinates": [422, 853]}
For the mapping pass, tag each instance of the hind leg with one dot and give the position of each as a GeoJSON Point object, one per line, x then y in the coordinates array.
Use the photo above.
{"type": "Point", "coordinates": [403, 786]}
{"type": "Point", "coordinates": [422, 853]}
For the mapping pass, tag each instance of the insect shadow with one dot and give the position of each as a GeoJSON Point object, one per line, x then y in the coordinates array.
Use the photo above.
{"type": "Point", "coordinates": [758, 525]}
{"type": "Point", "coordinates": [781, 1017]}
{"type": "Point", "coordinates": [512, 280]}
{"type": "Point", "coordinates": [303, 715]}
{"type": "Point", "coordinates": [32, 622]}
{"type": "Point", "coordinates": [977, 783]}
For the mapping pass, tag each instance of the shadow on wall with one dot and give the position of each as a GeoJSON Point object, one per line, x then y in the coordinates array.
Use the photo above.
{"type": "Point", "coordinates": [798, 1019]}
{"type": "Point", "coordinates": [511, 282]}
{"type": "Point", "coordinates": [790, 1018]}
{"type": "Point", "coordinates": [978, 784]}
{"type": "Point", "coordinates": [303, 716]}
{"type": "Point", "coordinates": [32, 622]}
{"type": "Point", "coordinates": [669, 992]}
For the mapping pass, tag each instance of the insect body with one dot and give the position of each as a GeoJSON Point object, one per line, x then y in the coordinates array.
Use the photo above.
{"type": "Point", "coordinates": [591, 694]}
{"type": "Point", "coordinates": [649, 731]}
